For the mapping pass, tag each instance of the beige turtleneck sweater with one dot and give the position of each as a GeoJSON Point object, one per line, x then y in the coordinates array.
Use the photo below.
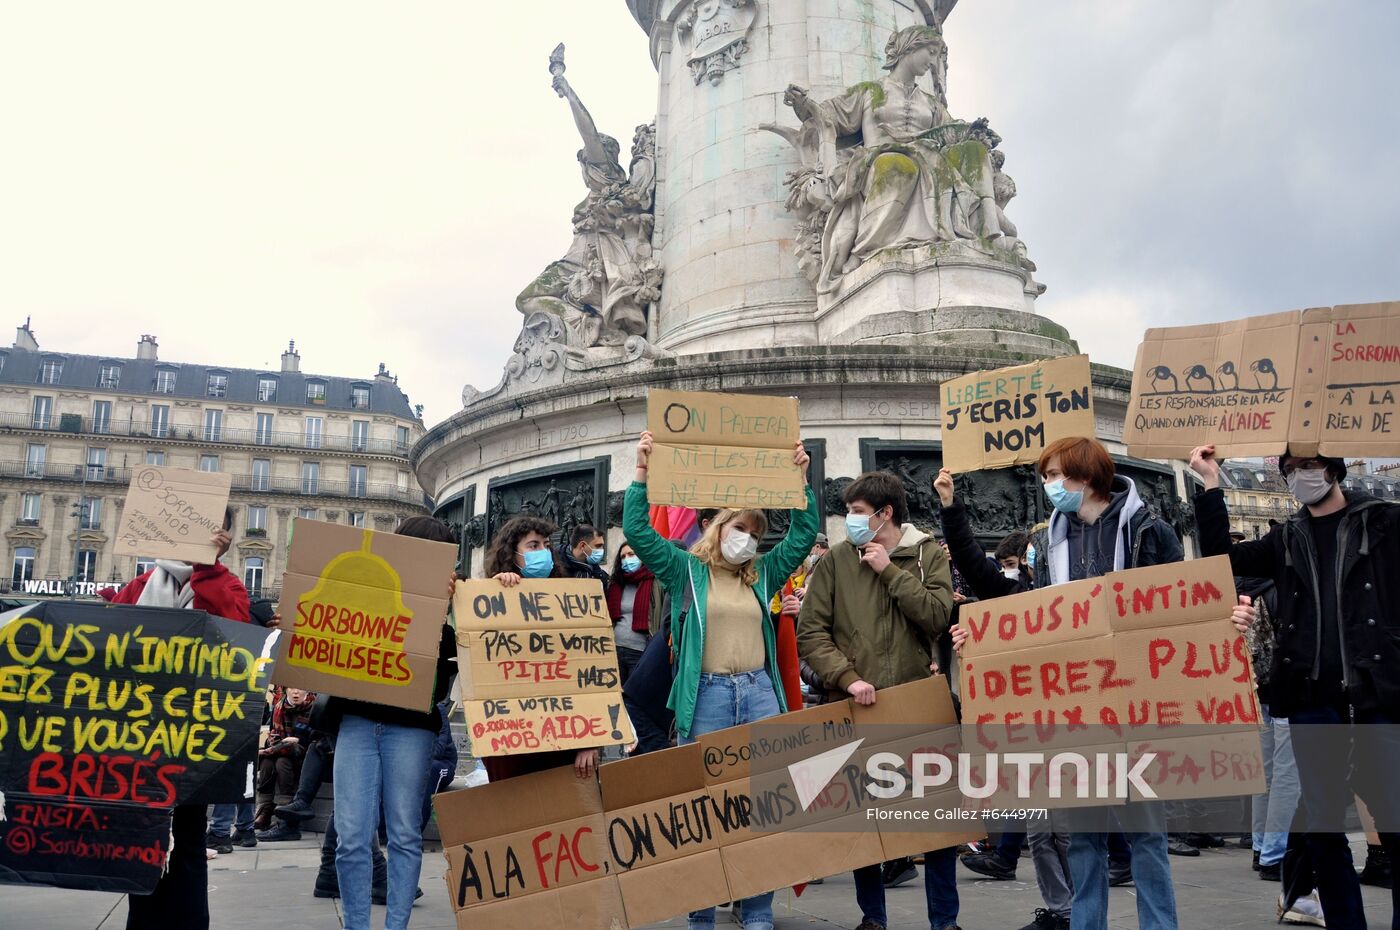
{"type": "Point", "coordinates": [733, 625]}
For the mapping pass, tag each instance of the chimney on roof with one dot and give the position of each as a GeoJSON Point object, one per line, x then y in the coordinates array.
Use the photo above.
{"type": "Point", "coordinates": [147, 348]}
{"type": "Point", "coordinates": [24, 338]}
{"type": "Point", "coordinates": [291, 359]}
{"type": "Point", "coordinates": [383, 376]}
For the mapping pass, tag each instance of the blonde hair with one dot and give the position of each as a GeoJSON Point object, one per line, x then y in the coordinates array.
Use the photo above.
{"type": "Point", "coordinates": [707, 547]}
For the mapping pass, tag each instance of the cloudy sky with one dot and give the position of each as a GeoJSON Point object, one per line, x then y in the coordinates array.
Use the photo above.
{"type": "Point", "coordinates": [378, 181]}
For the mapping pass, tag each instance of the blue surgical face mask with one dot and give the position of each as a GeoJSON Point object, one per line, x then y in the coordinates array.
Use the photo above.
{"type": "Point", "coordinates": [1062, 500]}
{"type": "Point", "coordinates": [539, 563]}
{"type": "Point", "coordinates": [858, 529]}
{"type": "Point", "coordinates": [1030, 557]}
{"type": "Point", "coordinates": [596, 556]}
{"type": "Point", "coordinates": [631, 564]}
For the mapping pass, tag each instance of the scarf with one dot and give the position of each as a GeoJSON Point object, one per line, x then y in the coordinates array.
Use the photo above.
{"type": "Point", "coordinates": [168, 585]}
{"type": "Point", "coordinates": [641, 604]}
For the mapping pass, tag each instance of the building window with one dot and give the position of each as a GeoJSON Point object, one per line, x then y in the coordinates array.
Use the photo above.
{"type": "Point", "coordinates": [357, 518]}
{"type": "Point", "coordinates": [311, 477]}
{"type": "Point", "coordinates": [359, 398]}
{"type": "Point", "coordinates": [263, 436]}
{"type": "Point", "coordinates": [267, 390]}
{"type": "Point", "coordinates": [144, 564]}
{"type": "Point", "coordinates": [253, 576]}
{"type": "Point", "coordinates": [87, 565]}
{"type": "Point", "coordinates": [155, 457]}
{"type": "Point", "coordinates": [43, 413]}
{"type": "Point", "coordinates": [213, 426]}
{"type": "Point", "coordinates": [218, 386]}
{"type": "Point", "coordinates": [358, 479]}
{"type": "Point", "coordinates": [403, 438]}
{"type": "Point", "coordinates": [160, 420]}
{"type": "Point", "coordinates": [23, 568]}
{"type": "Point", "coordinates": [257, 518]}
{"type": "Point", "coordinates": [96, 464]}
{"type": "Point", "coordinates": [102, 416]}
{"type": "Point", "coordinates": [50, 371]}
{"type": "Point", "coordinates": [109, 376]}
{"type": "Point", "coordinates": [29, 507]}
{"type": "Point", "coordinates": [90, 513]}
{"type": "Point", "coordinates": [208, 463]}
{"type": "Point", "coordinates": [359, 435]}
{"type": "Point", "coordinates": [34, 460]}
{"type": "Point", "coordinates": [306, 513]}
{"type": "Point", "coordinates": [262, 474]}
{"type": "Point", "coordinates": [313, 432]}
{"type": "Point", "coordinates": [316, 392]}
{"type": "Point", "coordinates": [165, 381]}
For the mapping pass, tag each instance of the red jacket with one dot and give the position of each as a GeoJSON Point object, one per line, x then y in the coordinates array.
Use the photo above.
{"type": "Point", "coordinates": [216, 590]}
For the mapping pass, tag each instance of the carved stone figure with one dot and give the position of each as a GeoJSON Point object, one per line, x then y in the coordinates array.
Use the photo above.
{"type": "Point", "coordinates": [885, 166]}
{"type": "Point", "coordinates": [601, 289]}
{"type": "Point", "coordinates": [717, 31]}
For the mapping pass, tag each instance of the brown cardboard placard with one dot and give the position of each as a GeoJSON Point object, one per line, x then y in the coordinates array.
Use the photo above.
{"type": "Point", "coordinates": [170, 513]}
{"type": "Point", "coordinates": [1068, 612]}
{"type": "Point", "coordinates": [366, 612]}
{"type": "Point", "coordinates": [723, 450]}
{"type": "Point", "coordinates": [1005, 417]}
{"type": "Point", "coordinates": [1320, 381]}
{"type": "Point", "coordinates": [538, 666]}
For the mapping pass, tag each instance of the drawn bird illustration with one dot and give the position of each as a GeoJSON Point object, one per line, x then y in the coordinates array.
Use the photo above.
{"type": "Point", "coordinates": [1195, 375]}
{"type": "Point", "coordinates": [1161, 376]}
{"type": "Point", "coordinates": [1227, 377]}
{"type": "Point", "coordinates": [1265, 376]}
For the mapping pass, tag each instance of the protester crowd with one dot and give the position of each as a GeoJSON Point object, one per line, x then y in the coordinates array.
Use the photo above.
{"type": "Point", "coordinates": [719, 633]}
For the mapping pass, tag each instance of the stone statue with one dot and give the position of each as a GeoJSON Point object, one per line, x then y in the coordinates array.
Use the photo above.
{"type": "Point", "coordinates": [885, 165]}
{"type": "Point", "coordinates": [717, 31]}
{"type": "Point", "coordinates": [601, 289]}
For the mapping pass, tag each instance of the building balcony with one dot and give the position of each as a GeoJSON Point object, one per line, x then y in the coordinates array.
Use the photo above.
{"type": "Point", "coordinates": [76, 425]}
{"type": "Point", "coordinates": [325, 487]}
{"type": "Point", "coordinates": [92, 474]}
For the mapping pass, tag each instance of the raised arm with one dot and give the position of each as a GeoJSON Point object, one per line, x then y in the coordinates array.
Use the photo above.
{"type": "Point", "coordinates": [593, 149]}
{"type": "Point", "coordinates": [1254, 559]}
{"type": "Point", "coordinates": [801, 535]}
{"type": "Point", "coordinates": [666, 562]}
{"type": "Point", "coordinates": [968, 557]}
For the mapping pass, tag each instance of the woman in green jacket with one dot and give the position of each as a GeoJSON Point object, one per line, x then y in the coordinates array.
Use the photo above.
{"type": "Point", "coordinates": [726, 649]}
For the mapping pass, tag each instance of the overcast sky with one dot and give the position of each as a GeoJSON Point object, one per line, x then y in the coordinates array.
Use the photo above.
{"type": "Point", "coordinates": [378, 181]}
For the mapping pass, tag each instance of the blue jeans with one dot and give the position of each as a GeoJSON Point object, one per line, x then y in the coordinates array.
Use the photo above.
{"type": "Point", "coordinates": [1152, 875]}
{"type": "Point", "coordinates": [1273, 811]}
{"type": "Point", "coordinates": [940, 890]}
{"type": "Point", "coordinates": [1328, 781]}
{"type": "Point", "coordinates": [238, 815]}
{"type": "Point", "coordinates": [379, 764]}
{"type": "Point", "coordinates": [727, 701]}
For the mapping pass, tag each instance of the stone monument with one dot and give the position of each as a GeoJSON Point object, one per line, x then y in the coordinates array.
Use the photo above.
{"type": "Point", "coordinates": [803, 216]}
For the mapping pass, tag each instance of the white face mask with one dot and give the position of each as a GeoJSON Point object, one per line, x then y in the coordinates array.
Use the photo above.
{"type": "Point", "coordinates": [1013, 573]}
{"type": "Point", "coordinates": [738, 547]}
{"type": "Point", "coordinates": [1309, 485]}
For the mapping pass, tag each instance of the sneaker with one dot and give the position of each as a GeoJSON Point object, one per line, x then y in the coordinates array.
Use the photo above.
{"type": "Point", "coordinates": [327, 886]}
{"type": "Point", "coordinates": [210, 853]}
{"type": "Point", "coordinates": [246, 839]}
{"type": "Point", "coordinates": [1271, 873]}
{"type": "Point", "coordinates": [1377, 870]}
{"type": "Point", "coordinates": [279, 832]}
{"type": "Point", "coordinates": [1306, 910]}
{"type": "Point", "coordinates": [379, 894]}
{"type": "Point", "coordinates": [1205, 840]}
{"type": "Point", "coordinates": [1119, 873]}
{"type": "Point", "coordinates": [222, 845]}
{"type": "Point", "coordinates": [1176, 846]}
{"type": "Point", "coordinates": [991, 865]}
{"type": "Point", "coordinates": [897, 872]}
{"type": "Point", "coordinates": [869, 924]}
{"type": "Point", "coordinates": [1047, 920]}
{"type": "Point", "coordinates": [296, 812]}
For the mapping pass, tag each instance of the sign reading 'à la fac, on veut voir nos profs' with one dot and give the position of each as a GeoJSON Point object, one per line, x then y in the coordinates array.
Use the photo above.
{"type": "Point", "coordinates": [366, 612]}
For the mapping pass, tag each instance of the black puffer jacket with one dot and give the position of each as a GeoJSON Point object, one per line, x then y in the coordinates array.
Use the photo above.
{"type": "Point", "coordinates": [1368, 594]}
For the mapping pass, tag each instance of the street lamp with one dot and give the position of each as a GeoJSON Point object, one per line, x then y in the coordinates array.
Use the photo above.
{"type": "Point", "coordinates": [80, 510]}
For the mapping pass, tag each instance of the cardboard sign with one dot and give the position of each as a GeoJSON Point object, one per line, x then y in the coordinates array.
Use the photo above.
{"type": "Point", "coordinates": [995, 419]}
{"type": "Point", "coordinates": [1129, 660]}
{"type": "Point", "coordinates": [538, 666]}
{"type": "Point", "coordinates": [723, 450]}
{"type": "Point", "coordinates": [110, 716]}
{"type": "Point", "coordinates": [1321, 381]}
{"type": "Point", "coordinates": [367, 611]}
{"type": "Point", "coordinates": [170, 513]}
{"type": "Point", "coordinates": [669, 832]}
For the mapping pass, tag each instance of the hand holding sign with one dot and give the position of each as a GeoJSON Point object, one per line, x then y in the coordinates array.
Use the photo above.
{"type": "Point", "coordinates": [943, 484]}
{"type": "Point", "coordinates": [176, 514]}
